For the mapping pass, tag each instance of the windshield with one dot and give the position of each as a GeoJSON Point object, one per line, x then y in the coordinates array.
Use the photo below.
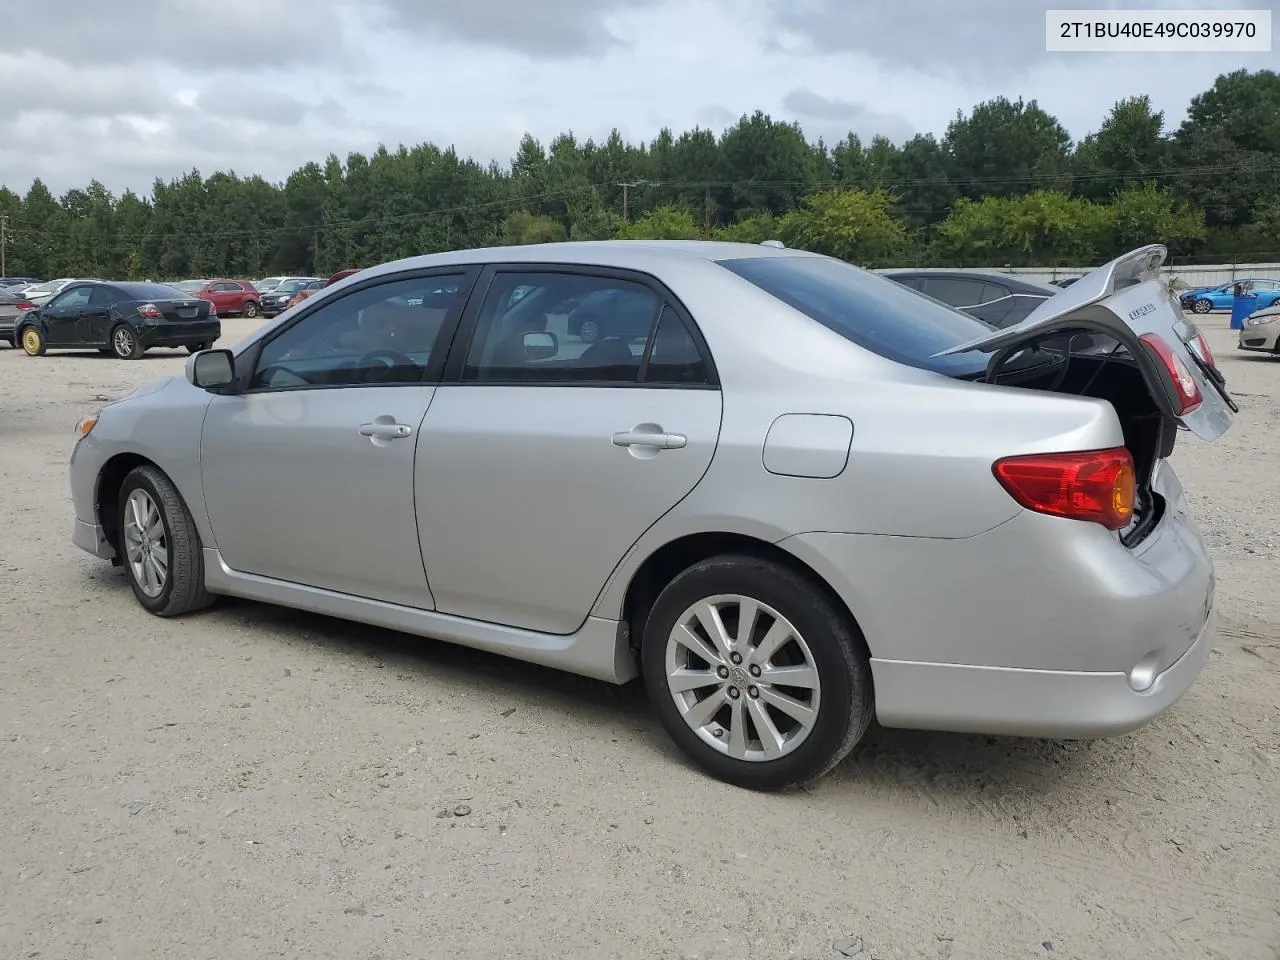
{"type": "Point", "coordinates": [872, 311]}
{"type": "Point", "coordinates": [190, 286]}
{"type": "Point", "coordinates": [290, 286]}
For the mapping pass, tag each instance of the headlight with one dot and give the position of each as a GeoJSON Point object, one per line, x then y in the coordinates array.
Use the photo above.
{"type": "Point", "coordinates": [85, 426]}
{"type": "Point", "coordinates": [1259, 321]}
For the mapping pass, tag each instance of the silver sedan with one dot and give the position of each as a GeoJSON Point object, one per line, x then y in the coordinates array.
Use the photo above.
{"type": "Point", "coordinates": [1261, 331]}
{"type": "Point", "coordinates": [797, 498]}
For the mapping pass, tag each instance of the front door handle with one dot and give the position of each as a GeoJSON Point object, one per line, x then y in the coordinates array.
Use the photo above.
{"type": "Point", "coordinates": [644, 438]}
{"type": "Point", "coordinates": [385, 431]}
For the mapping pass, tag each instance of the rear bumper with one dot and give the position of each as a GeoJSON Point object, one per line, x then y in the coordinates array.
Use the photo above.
{"type": "Point", "coordinates": [1030, 703]}
{"type": "Point", "coordinates": [180, 334]}
{"type": "Point", "coordinates": [1039, 627]}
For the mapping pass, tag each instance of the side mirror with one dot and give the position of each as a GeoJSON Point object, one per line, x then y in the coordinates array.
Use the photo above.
{"type": "Point", "coordinates": [540, 344]}
{"type": "Point", "coordinates": [211, 369]}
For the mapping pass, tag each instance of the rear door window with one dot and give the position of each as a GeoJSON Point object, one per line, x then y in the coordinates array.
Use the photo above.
{"type": "Point", "coordinates": [955, 290]}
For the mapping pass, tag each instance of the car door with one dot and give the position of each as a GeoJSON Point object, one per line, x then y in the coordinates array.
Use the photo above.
{"type": "Point", "coordinates": [308, 468]}
{"type": "Point", "coordinates": [62, 316]}
{"type": "Point", "coordinates": [95, 322]}
{"type": "Point", "coordinates": [222, 295]}
{"type": "Point", "coordinates": [543, 458]}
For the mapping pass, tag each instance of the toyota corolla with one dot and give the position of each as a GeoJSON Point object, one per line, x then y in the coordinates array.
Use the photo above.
{"type": "Point", "coordinates": [801, 497]}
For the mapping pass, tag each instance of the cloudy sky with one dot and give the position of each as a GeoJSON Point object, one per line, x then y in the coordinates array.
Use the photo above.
{"type": "Point", "coordinates": [128, 90]}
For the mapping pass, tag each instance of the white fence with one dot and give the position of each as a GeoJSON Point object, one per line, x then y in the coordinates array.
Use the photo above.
{"type": "Point", "coordinates": [1202, 275]}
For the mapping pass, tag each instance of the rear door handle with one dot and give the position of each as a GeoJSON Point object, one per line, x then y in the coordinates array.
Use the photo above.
{"type": "Point", "coordinates": [386, 431]}
{"type": "Point", "coordinates": [639, 438]}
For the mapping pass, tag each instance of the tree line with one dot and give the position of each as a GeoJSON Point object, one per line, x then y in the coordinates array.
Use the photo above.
{"type": "Point", "coordinates": [1004, 186]}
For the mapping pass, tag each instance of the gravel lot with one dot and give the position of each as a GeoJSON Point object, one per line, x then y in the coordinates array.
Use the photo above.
{"type": "Point", "coordinates": [255, 782]}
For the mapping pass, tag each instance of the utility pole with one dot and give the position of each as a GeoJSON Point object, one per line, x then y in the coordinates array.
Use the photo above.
{"type": "Point", "coordinates": [625, 185]}
{"type": "Point", "coordinates": [4, 236]}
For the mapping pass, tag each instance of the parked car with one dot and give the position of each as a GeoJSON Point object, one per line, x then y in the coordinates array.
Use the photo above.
{"type": "Point", "coordinates": [997, 299]}
{"type": "Point", "coordinates": [126, 319]}
{"type": "Point", "coordinates": [799, 504]}
{"type": "Point", "coordinates": [1260, 333]}
{"type": "Point", "coordinates": [39, 293]}
{"type": "Point", "coordinates": [18, 281]}
{"type": "Point", "coordinates": [13, 304]}
{"type": "Point", "coordinates": [227, 296]}
{"type": "Point", "coordinates": [1221, 297]}
{"type": "Point", "coordinates": [341, 275]}
{"type": "Point", "coordinates": [267, 284]}
{"type": "Point", "coordinates": [307, 289]}
{"type": "Point", "coordinates": [620, 313]}
{"type": "Point", "coordinates": [278, 299]}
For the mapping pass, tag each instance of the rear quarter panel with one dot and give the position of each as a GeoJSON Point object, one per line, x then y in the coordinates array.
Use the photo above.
{"type": "Point", "coordinates": [921, 455]}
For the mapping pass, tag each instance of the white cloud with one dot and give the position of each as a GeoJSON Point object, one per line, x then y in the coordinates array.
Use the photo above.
{"type": "Point", "coordinates": [262, 86]}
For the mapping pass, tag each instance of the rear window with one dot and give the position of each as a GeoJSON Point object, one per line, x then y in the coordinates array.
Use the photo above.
{"type": "Point", "coordinates": [151, 291]}
{"type": "Point", "coordinates": [874, 312]}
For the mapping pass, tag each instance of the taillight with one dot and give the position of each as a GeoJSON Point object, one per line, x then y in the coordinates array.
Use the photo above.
{"type": "Point", "coordinates": [25, 305]}
{"type": "Point", "coordinates": [1205, 353]}
{"type": "Point", "coordinates": [150, 311]}
{"type": "Point", "coordinates": [1095, 485]}
{"type": "Point", "coordinates": [1188, 391]}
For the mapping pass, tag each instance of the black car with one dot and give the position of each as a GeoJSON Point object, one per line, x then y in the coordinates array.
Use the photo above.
{"type": "Point", "coordinates": [997, 299]}
{"type": "Point", "coordinates": [125, 319]}
{"type": "Point", "coordinates": [277, 301]}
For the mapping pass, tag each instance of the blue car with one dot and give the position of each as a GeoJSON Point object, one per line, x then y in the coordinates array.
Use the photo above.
{"type": "Point", "coordinates": [1206, 299]}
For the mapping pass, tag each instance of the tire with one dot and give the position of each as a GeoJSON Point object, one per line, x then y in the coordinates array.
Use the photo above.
{"type": "Point", "coordinates": [1202, 306]}
{"type": "Point", "coordinates": [124, 342]}
{"type": "Point", "coordinates": [197, 347]}
{"type": "Point", "coordinates": [181, 586]}
{"type": "Point", "coordinates": [32, 341]}
{"type": "Point", "coordinates": [829, 643]}
{"type": "Point", "coordinates": [250, 309]}
{"type": "Point", "coordinates": [589, 330]}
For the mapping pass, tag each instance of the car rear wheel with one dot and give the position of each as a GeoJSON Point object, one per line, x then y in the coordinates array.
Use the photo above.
{"type": "Point", "coordinates": [250, 309]}
{"type": "Point", "coordinates": [589, 330]}
{"type": "Point", "coordinates": [32, 341]}
{"type": "Point", "coordinates": [756, 673]}
{"type": "Point", "coordinates": [159, 545]}
{"type": "Point", "coordinates": [1202, 306]}
{"type": "Point", "coordinates": [124, 343]}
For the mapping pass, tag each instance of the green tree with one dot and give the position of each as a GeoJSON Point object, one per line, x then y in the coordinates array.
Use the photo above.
{"type": "Point", "coordinates": [1044, 227]}
{"type": "Point", "coordinates": [663, 223]}
{"type": "Point", "coordinates": [854, 225]}
{"type": "Point", "coordinates": [1129, 149]}
{"type": "Point", "coordinates": [525, 227]}
{"type": "Point", "coordinates": [1005, 148]}
{"type": "Point", "coordinates": [1150, 214]}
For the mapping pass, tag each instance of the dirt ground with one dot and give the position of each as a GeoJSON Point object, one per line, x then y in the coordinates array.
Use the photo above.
{"type": "Point", "coordinates": [255, 782]}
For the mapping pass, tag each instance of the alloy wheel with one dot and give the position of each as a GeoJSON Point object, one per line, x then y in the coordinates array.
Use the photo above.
{"type": "Point", "coordinates": [31, 341]}
{"type": "Point", "coordinates": [146, 543]}
{"type": "Point", "coordinates": [743, 678]}
{"type": "Point", "coordinates": [122, 342]}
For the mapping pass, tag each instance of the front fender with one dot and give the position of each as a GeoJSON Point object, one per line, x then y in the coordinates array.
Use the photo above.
{"type": "Point", "coordinates": [161, 423]}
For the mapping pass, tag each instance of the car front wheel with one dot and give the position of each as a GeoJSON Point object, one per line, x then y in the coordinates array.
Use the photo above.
{"type": "Point", "coordinates": [756, 673]}
{"type": "Point", "coordinates": [159, 545]}
{"type": "Point", "coordinates": [32, 340]}
{"type": "Point", "coordinates": [250, 309]}
{"type": "Point", "coordinates": [1203, 306]}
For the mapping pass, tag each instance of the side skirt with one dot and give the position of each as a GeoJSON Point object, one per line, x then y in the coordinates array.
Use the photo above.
{"type": "Point", "coordinates": [597, 650]}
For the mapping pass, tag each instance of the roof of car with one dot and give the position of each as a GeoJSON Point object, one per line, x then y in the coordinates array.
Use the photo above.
{"type": "Point", "coordinates": [960, 273]}
{"type": "Point", "coordinates": [636, 253]}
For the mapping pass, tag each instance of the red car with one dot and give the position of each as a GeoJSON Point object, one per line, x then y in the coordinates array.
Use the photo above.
{"type": "Point", "coordinates": [227, 296]}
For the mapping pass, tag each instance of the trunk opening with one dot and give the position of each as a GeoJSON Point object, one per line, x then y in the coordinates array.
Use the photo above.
{"type": "Point", "coordinates": [1106, 372]}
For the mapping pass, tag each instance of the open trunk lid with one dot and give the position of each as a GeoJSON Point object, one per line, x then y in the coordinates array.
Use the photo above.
{"type": "Point", "coordinates": [1128, 300]}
